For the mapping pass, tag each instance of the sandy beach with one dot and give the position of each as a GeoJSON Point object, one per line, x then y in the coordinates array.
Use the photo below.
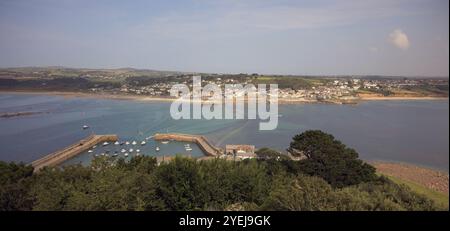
{"type": "Point", "coordinates": [169, 99]}
{"type": "Point", "coordinates": [376, 98]}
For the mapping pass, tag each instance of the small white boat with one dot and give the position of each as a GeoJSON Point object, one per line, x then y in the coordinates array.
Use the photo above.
{"type": "Point", "coordinates": [126, 154]}
{"type": "Point", "coordinates": [85, 127]}
{"type": "Point", "coordinates": [102, 154]}
{"type": "Point", "coordinates": [143, 143]}
{"type": "Point", "coordinates": [131, 150]}
{"type": "Point", "coordinates": [94, 146]}
{"type": "Point", "coordinates": [123, 150]}
{"type": "Point", "coordinates": [116, 143]}
{"type": "Point", "coordinates": [134, 142]}
{"type": "Point", "coordinates": [105, 143]}
{"type": "Point", "coordinates": [164, 142]}
{"type": "Point", "coordinates": [90, 151]}
{"type": "Point", "coordinates": [138, 150]}
{"type": "Point", "coordinates": [115, 154]}
{"type": "Point", "coordinates": [96, 155]}
{"type": "Point", "coordinates": [188, 149]}
{"type": "Point", "coordinates": [127, 143]}
{"type": "Point", "coordinates": [157, 148]}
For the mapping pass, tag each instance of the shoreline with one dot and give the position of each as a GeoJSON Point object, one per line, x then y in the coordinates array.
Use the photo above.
{"type": "Point", "coordinates": [69, 94]}
{"type": "Point", "coordinates": [381, 98]}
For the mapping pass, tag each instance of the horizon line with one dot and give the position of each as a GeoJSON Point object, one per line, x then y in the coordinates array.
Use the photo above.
{"type": "Point", "coordinates": [223, 73]}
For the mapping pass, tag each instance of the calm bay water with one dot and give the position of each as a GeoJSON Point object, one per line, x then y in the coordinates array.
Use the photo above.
{"type": "Point", "coordinates": [414, 132]}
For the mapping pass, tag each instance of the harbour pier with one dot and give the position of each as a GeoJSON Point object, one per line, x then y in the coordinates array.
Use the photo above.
{"type": "Point", "coordinates": [201, 141]}
{"type": "Point", "coordinates": [62, 155]}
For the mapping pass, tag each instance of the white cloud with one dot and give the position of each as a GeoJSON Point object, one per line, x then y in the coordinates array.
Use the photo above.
{"type": "Point", "coordinates": [399, 39]}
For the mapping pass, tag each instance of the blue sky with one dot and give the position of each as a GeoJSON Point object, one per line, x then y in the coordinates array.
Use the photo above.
{"type": "Point", "coordinates": [380, 37]}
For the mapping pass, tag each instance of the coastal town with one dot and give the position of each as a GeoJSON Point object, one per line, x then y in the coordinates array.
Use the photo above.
{"type": "Point", "coordinates": [327, 89]}
{"type": "Point", "coordinates": [157, 84]}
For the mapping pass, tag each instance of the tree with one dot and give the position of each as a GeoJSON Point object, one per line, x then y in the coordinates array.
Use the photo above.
{"type": "Point", "coordinates": [301, 193]}
{"type": "Point", "coordinates": [267, 153]}
{"type": "Point", "coordinates": [180, 186]}
{"type": "Point", "coordinates": [330, 159]}
{"type": "Point", "coordinates": [15, 184]}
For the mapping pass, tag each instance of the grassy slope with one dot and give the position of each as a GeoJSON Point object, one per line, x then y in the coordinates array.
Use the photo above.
{"type": "Point", "coordinates": [440, 198]}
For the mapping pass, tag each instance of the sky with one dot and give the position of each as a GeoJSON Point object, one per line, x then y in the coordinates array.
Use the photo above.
{"type": "Point", "coordinates": [315, 37]}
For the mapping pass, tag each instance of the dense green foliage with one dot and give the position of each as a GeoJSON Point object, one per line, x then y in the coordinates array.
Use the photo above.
{"type": "Point", "coordinates": [271, 183]}
{"type": "Point", "coordinates": [326, 157]}
{"type": "Point", "coordinates": [187, 184]}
